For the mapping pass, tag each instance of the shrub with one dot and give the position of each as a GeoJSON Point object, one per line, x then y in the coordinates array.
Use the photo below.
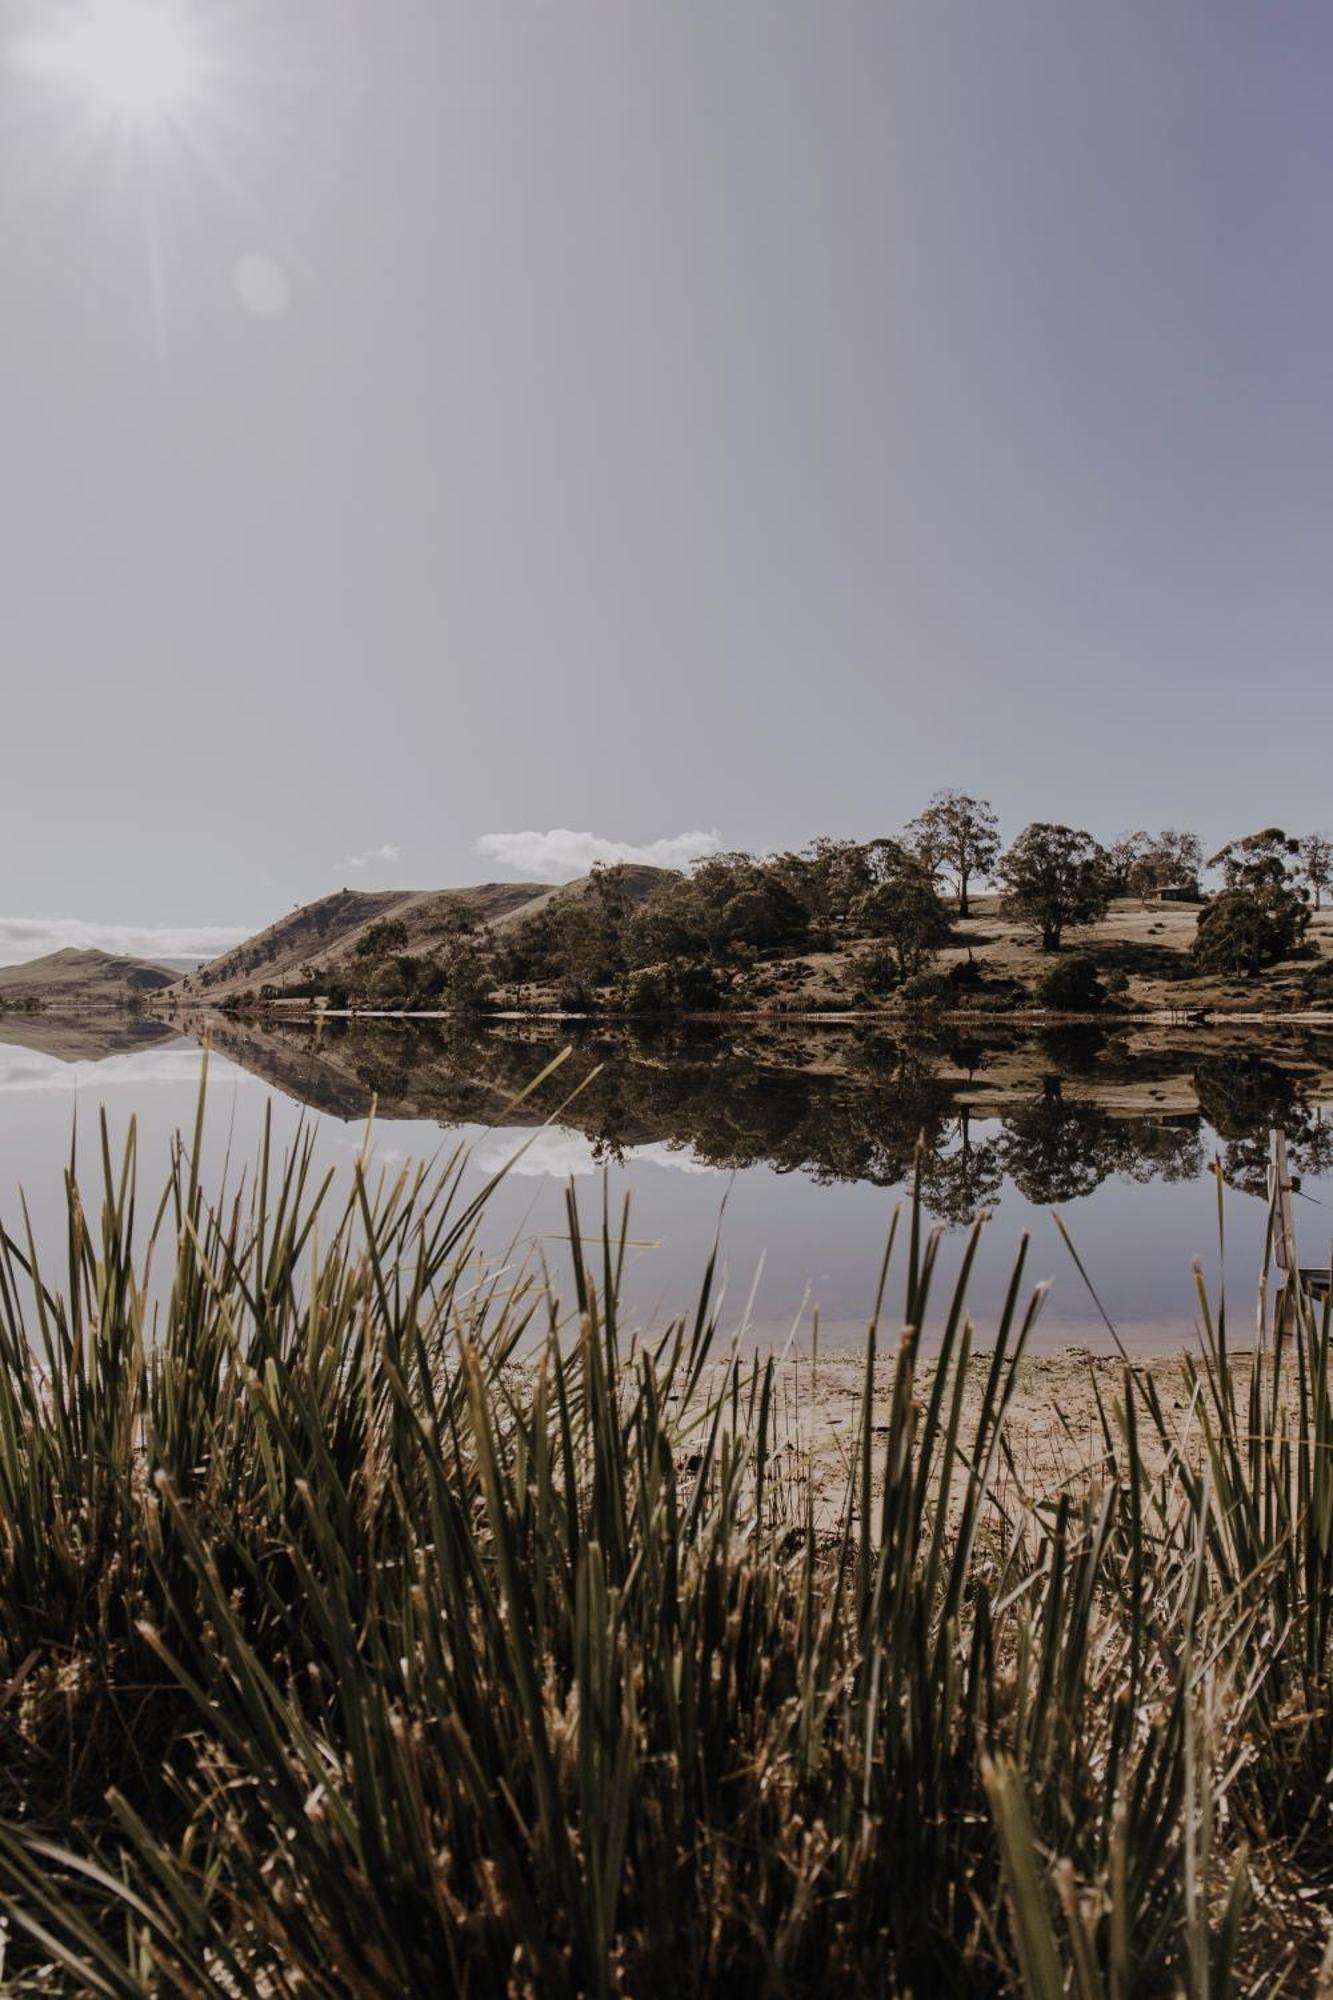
{"type": "Point", "coordinates": [924, 989]}
{"type": "Point", "coordinates": [649, 990]}
{"type": "Point", "coordinates": [1244, 931]}
{"type": "Point", "coordinates": [1073, 986]}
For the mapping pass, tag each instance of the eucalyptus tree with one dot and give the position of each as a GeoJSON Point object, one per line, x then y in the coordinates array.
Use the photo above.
{"type": "Point", "coordinates": [959, 836]}
{"type": "Point", "coordinates": [1317, 863]}
{"type": "Point", "coordinates": [1055, 878]}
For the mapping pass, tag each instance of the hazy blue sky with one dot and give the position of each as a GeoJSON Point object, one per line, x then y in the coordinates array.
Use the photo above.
{"type": "Point", "coordinates": [731, 415]}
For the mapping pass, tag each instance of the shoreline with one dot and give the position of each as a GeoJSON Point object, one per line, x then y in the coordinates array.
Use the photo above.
{"type": "Point", "coordinates": [1183, 1021]}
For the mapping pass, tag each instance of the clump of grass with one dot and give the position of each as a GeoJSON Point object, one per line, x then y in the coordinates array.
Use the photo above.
{"type": "Point", "coordinates": [370, 1625]}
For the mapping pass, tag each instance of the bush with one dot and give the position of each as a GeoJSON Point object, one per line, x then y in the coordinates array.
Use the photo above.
{"type": "Point", "coordinates": [878, 973]}
{"type": "Point", "coordinates": [1244, 931]}
{"type": "Point", "coordinates": [649, 990]}
{"type": "Point", "coordinates": [925, 989]}
{"type": "Point", "coordinates": [1073, 986]}
{"type": "Point", "coordinates": [1317, 983]}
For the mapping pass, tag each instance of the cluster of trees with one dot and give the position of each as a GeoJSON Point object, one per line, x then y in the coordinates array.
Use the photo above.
{"type": "Point", "coordinates": [1056, 879]}
{"type": "Point", "coordinates": [692, 942]}
{"type": "Point", "coordinates": [693, 939]}
{"type": "Point", "coordinates": [1263, 910]}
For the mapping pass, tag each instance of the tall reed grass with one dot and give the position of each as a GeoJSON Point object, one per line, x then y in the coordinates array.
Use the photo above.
{"type": "Point", "coordinates": [373, 1624]}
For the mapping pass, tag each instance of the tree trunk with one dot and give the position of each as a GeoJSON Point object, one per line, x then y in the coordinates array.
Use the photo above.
{"type": "Point", "coordinates": [963, 910]}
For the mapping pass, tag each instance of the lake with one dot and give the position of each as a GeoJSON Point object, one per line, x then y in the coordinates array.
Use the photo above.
{"type": "Point", "coordinates": [797, 1142]}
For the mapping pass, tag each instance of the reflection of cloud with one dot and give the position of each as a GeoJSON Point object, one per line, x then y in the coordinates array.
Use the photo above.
{"type": "Point", "coordinates": [554, 1153]}
{"type": "Point", "coordinates": [550, 1153]}
{"type": "Point", "coordinates": [372, 854]}
{"type": "Point", "coordinates": [560, 854]}
{"type": "Point", "coordinates": [22, 938]}
{"type": "Point", "coordinates": [680, 1160]}
{"type": "Point", "coordinates": [29, 1070]}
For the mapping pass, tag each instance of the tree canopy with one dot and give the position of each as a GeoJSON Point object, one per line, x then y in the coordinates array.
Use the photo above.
{"type": "Point", "coordinates": [1262, 914]}
{"type": "Point", "coordinates": [957, 835]}
{"type": "Point", "coordinates": [1055, 878]}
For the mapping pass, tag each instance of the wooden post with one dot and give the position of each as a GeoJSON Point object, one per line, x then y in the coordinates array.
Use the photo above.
{"type": "Point", "coordinates": [1284, 1235]}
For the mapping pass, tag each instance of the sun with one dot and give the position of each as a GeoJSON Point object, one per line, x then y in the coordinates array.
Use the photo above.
{"type": "Point", "coordinates": [134, 63]}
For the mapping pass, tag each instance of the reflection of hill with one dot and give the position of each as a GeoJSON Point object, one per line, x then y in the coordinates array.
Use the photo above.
{"type": "Point", "coordinates": [1055, 1115]}
{"type": "Point", "coordinates": [70, 1038]}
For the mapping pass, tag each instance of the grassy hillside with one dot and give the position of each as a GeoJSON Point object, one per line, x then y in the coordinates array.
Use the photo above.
{"type": "Point", "coordinates": [1150, 944]}
{"type": "Point", "coordinates": [323, 936]}
{"type": "Point", "coordinates": [81, 980]}
{"type": "Point", "coordinates": [323, 943]}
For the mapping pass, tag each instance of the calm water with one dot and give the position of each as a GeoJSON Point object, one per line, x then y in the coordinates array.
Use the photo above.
{"type": "Point", "coordinates": [799, 1143]}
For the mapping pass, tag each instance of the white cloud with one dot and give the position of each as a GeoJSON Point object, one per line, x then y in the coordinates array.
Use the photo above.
{"type": "Point", "coordinates": [372, 854]}
{"type": "Point", "coordinates": [554, 1152]}
{"type": "Point", "coordinates": [22, 938]}
{"type": "Point", "coordinates": [560, 854]}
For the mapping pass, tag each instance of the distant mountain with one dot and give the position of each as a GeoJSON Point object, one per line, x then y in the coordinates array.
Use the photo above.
{"type": "Point", "coordinates": [321, 937]}
{"type": "Point", "coordinates": [81, 981]}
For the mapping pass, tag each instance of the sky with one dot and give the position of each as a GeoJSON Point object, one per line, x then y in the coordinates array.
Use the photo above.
{"type": "Point", "coordinates": [450, 440]}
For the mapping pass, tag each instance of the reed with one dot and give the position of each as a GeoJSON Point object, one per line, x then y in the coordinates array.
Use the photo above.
{"type": "Point", "coordinates": [372, 1622]}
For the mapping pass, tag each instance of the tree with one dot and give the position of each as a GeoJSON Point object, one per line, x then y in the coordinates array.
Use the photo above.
{"type": "Point", "coordinates": [1262, 914]}
{"type": "Point", "coordinates": [902, 911]}
{"type": "Point", "coordinates": [1317, 863]}
{"type": "Point", "coordinates": [382, 940]}
{"type": "Point", "coordinates": [1123, 857]}
{"type": "Point", "coordinates": [958, 834]}
{"type": "Point", "coordinates": [1143, 864]}
{"type": "Point", "coordinates": [1171, 859]}
{"type": "Point", "coordinates": [469, 975]}
{"type": "Point", "coordinates": [827, 877]}
{"type": "Point", "coordinates": [1055, 878]}
{"type": "Point", "coordinates": [766, 915]}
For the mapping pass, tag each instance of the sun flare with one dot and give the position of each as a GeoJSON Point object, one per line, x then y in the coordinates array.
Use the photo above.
{"type": "Point", "coordinates": [136, 63]}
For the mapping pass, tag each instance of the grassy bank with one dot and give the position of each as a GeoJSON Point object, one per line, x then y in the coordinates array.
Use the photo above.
{"type": "Point", "coordinates": [370, 1627]}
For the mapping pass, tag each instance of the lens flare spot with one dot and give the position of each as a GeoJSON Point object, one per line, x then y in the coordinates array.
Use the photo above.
{"type": "Point", "coordinates": [261, 285]}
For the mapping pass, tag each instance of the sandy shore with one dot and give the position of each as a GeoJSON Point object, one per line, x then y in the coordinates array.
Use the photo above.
{"type": "Point", "coordinates": [1054, 1426]}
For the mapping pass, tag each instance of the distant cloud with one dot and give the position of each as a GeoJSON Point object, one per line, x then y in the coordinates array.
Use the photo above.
{"type": "Point", "coordinates": [22, 938]}
{"type": "Point", "coordinates": [554, 1152]}
{"type": "Point", "coordinates": [560, 855]}
{"type": "Point", "coordinates": [373, 854]}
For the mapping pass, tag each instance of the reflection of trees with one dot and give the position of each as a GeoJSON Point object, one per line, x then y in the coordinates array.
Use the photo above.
{"type": "Point", "coordinates": [1057, 1150]}
{"type": "Point", "coordinates": [960, 1175]}
{"type": "Point", "coordinates": [845, 1104]}
{"type": "Point", "coordinates": [1243, 1095]}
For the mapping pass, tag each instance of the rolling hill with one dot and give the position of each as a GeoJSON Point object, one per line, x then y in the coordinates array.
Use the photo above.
{"type": "Point", "coordinates": [321, 937]}
{"type": "Point", "coordinates": [84, 981]}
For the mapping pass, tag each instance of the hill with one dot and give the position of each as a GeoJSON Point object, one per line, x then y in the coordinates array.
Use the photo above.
{"type": "Point", "coordinates": [81, 981]}
{"type": "Point", "coordinates": [321, 938]}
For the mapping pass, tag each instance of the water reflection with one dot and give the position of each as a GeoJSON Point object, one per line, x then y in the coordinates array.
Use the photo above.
{"type": "Point", "coordinates": [1061, 1113]}
{"type": "Point", "coordinates": [811, 1135]}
